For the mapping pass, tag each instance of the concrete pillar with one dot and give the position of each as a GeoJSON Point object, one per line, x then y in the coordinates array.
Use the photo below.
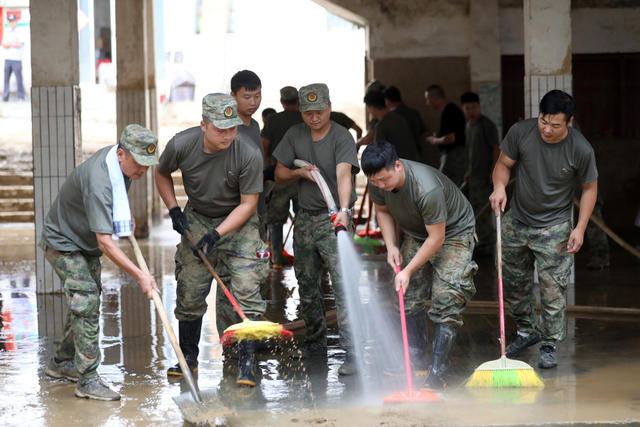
{"type": "Point", "coordinates": [547, 50]}
{"type": "Point", "coordinates": [484, 58]}
{"type": "Point", "coordinates": [136, 92]}
{"type": "Point", "coordinates": [55, 110]}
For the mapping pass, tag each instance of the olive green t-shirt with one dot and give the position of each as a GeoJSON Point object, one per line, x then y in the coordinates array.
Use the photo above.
{"type": "Point", "coordinates": [277, 125]}
{"type": "Point", "coordinates": [336, 147]}
{"type": "Point", "coordinates": [83, 207]}
{"type": "Point", "coordinates": [213, 182]}
{"type": "Point", "coordinates": [427, 197]}
{"type": "Point", "coordinates": [546, 173]}
{"type": "Point", "coordinates": [480, 137]}
{"type": "Point", "coordinates": [394, 129]}
{"type": "Point", "coordinates": [251, 134]}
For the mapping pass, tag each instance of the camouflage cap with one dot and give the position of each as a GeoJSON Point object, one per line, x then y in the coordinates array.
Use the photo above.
{"type": "Point", "coordinates": [221, 110]}
{"type": "Point", "coordinates": [288, 94]}
{"type": "Point", "coordinates": [141, 143]}
{"type": "Point", "coordinates": [314, 97]}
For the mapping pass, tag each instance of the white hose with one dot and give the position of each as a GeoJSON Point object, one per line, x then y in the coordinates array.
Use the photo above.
{"type": "Point", "coordinates": [322, 184]}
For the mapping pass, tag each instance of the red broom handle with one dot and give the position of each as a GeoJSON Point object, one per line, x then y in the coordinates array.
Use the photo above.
{"type": "Point", "coordinates": [500, 293]}
{"type": "Point", "coordinates": [206, 262]}
{"type": "Point", "coordinates": [405, 340]}
{"type": "Point", "coordinates": [366, 229]}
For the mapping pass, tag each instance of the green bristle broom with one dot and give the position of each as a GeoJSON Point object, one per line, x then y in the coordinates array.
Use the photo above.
{"type": "Point", "coordinates": [503, 372]}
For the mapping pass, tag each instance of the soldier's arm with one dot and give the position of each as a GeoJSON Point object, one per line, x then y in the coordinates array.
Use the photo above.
{"type": "Point", "coordinates": [164, 182]}
{"type": "Point", "coordinates": [430, 246]}
{"type": "Point", "coordinates": [240, 214]}
{"type": "Point", "coordinates": [343, 175]}
{"type": "Point", "coordinates": [115, 254]}
{"type": "Point", "coordinates": [501, 174]}
{"type": "Point", "coordinates": [388, 228]}
{"type": "Point", "coordinates": [285, 175]}
{"type": "Point", "coordinates": [587, 202]}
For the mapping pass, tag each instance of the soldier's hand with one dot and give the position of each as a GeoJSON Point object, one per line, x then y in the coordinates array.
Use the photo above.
{"type": "Point", "coordinates": [394, 257]}
{"type": "Point", "coordinates": [305, 172]}
{"type": "Point", "coordinates": [576, 239]}
{"type": "Point", "coordinates": [179, 220]}
{"type": "Point", "coordinates": [207, 243]}
{"type": "Point", "coordinates": [402, 281]}
{"type": "Point", "coordinates": [498, 200]}
{"type": "Point", "coordinates": [148, 285]}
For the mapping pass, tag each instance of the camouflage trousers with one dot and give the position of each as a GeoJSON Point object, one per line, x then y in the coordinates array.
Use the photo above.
{"type": "Point", "coordinates": [234, 259]}
{"type": "Point", "coordinates": [547, 246]}
{"type": "Point", "coordinates": [277, 210]}
{"type": "Point", "coordinates": [447, 277]}
{"type": "Point", "coordinates": [315, 246]}
{"type": "Point", "coordinates": [479, 192]}
{"type": "Point", "coordinates": [453, 164]}
{"type": "Point", "coordinates": [80, 276]}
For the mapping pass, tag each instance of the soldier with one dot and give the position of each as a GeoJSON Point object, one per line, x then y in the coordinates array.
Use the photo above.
{"type": "Point", "coordinates": [222, 214]}
{"type": "Point", "coordinates": [450, 139]}
{"type": "Point", "coordinates": [551, 157]}
{"type": "Point", "coordinates": [283, 194]}
{"type": "Point", "coordinates": [331, 150]}
{"type": "Point", "coordinates": [91, 206]}
{"type": "Point", "coordinates": [438, 225]}
{"type": "Point", "coordinates": [481, 136]}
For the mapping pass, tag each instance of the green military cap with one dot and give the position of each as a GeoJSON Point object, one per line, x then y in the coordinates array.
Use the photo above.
{"type": "Point", "coordinates": [221, 110]}
{"type": "Point", "coordinates": [314, 97]}
{"type": "Point", "coordinates": [141, 143]}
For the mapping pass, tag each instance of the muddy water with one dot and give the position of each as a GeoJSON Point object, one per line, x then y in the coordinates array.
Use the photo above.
{"type": "Point", "coordinates": [596, 381]}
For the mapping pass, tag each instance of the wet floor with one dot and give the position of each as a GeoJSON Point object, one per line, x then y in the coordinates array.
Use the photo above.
{"type": "Point", "coordinates": [596, 380]}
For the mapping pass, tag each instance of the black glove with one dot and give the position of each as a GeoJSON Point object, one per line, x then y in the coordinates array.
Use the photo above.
{"type": "Point", "coordinates": [207, 243]}
{"type": "Point", "coordinates": [179, 220]}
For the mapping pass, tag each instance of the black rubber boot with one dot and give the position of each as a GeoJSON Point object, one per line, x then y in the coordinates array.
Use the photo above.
{"type": "Point", "coordinates": [189, 337]}
{"type": "Point", "coordinates": [418, 336]}
{"type": "Point", "coordinates": [444, 336]}
{"type": "Point", "coordinates": [246, 356]}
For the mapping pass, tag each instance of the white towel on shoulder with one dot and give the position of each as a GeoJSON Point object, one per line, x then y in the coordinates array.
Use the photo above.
{"type": "Point", "coordinates": [121, 211]}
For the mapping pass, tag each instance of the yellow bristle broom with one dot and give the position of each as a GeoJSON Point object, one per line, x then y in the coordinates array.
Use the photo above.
{"type": "Point", "coordinates": [247, 329]}
{"type": "Point", "coordinates": [503, 372]}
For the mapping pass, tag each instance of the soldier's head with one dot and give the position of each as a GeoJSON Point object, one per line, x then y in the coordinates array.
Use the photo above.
{"type": "Point", "coordinates": [136, 150]}
{"type": "Point", "coordinates": [266, 113]}
{"type": "Point", "coordinates": [376, 106]}
{"type": "Point", "coordinates": [289, 98]}
{"type": "Point", "coordinates": [392, 96]}
{"type": "Point", "coordinates": [556, 115]}
{"type": "Point", "coordinates": [315, 106]}
{"type": "Point", "coordinates": [470, 103]}
{"type": "Point", "coordinates": [246, 88]}
{"type": "Point", "coordinates": [435, 97]}
{"type": "Point", "coordinates": [219, 121]}
{"type": "Point", "coordinates": [382, 167]}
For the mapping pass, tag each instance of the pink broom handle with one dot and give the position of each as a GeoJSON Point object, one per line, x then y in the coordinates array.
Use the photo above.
{"type": "Point", "coordinates": [500, 293]}
{"type": "Point", "coordinates": [405, 340]}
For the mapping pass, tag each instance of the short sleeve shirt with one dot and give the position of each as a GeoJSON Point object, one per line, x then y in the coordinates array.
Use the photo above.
{"type": "Point", "coordinates": [546, 174]}
{"type": "Point", "coordinates": [452, 121]}
{"type": "Point", "coordinates": [394, 129]}
{"type": "Point", "coordinates": [336, 147]}
{"type": "Point", "coordinates": [481, 137]}
{"type": "Point", "coordinates": [427, 197]}
{"type": "Point", "coordinates": [277, 125]}
{"type": "Point", "coordinates": [213, 181]}
{"type": "Point", "coordinates": [83, 207]}
{"type": "Point", "coordinates": [414, 120]}
{"type": "Point", "coordinates": [251, 134]}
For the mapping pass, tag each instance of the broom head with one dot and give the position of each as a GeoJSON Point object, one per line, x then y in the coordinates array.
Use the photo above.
{"type": "Point", "coordinates": [504, 372]}
{"type": "Point", "coordinates": [254, 330]}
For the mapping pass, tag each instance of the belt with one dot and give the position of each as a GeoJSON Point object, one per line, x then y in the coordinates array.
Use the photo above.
{"type": "Point", "coordinates": [315, 212]}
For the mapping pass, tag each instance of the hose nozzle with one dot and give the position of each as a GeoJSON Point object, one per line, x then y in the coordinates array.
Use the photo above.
{"type": "Point", "coordinates": [339, 227]}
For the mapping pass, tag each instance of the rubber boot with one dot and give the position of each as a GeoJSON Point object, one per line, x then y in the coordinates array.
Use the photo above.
{"type": "Point", "coordinates": [189, 337]}
{"type": "Point", "coordinates": [246, 356]}
{"type": "Point", "coordinates": [276, 245]}
{"type": "Point", "coordinates": [417, 334]}
{"type": "Point", "coordinates": [444, 336]}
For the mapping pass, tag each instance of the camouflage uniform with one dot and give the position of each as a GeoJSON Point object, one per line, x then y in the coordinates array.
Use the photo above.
{"type": "Point", "coordinates": [448, 277]}
{"type": "Point", "coordinates": [80, 276]}
{"type": "Point", "coordinates": [547, 246]}
{"type": "Point", "coordinates": [278, 203]}
{"type": "Point", "coordinates": [235, 261]}
{"type": "Point", "coordinates": [315, 244]}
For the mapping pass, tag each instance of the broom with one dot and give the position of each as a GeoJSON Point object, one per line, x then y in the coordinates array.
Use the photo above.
{"type": "Point", "coordinates": [247, 329]}
{"type": "Point", "coordinates": [503, 372]}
